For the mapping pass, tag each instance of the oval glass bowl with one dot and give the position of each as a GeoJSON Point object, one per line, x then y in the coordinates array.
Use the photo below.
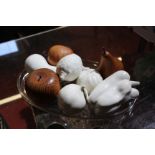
{"type": "Point", "coordinates": [51, 117]}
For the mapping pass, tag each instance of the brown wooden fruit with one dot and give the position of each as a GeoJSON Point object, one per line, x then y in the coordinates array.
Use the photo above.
{"type": "Point", "coordinates": [57, 52]}
{"type": "Point", "coordinates": [43, 81]}
{"type": "Point", "coordinates": [109, 64]}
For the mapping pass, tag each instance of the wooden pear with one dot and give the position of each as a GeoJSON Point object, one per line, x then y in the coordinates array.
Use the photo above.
{"type": "Point", "coordinates": [109, 64]}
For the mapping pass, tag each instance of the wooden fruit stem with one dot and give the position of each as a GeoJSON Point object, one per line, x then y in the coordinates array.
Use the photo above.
{"type": "Point", "coordinates": [103, 51]}
{"type": "Point", "coordinates": [99, 67]}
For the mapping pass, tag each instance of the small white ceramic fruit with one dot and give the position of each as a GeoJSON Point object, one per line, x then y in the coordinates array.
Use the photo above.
{"type": "Point", "coordinates": [89, 79]}
{"type": "Point", "coordinates": [113, 91]}
{"type": "Point", "coordinates": [114, 94]}
{"type": "Point", "coordinates": [71, 99]}
{"type": "Point", "coordinates": [37, 61]}
{"type": "Point", "coordinates": [69, 67]}
{"type": "Point", "coordinates": [108, 83]}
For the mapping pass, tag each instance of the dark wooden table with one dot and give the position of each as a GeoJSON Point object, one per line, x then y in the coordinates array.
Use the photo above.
{"type": "Point", "coordinates": [86, 41]}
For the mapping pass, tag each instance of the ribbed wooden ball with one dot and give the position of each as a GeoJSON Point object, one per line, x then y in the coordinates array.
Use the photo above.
{"type": "Point", "coordinates": [43, 81]}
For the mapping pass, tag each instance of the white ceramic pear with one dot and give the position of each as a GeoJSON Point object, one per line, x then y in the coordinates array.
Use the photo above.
{"type": "Point", "coordinates": [71, 99]}
{"type": "Point", "coordinates": [37, 61]}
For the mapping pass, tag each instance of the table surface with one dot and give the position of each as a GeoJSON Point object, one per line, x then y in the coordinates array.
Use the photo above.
{"type": "Point", "coordinates": [87, 42]}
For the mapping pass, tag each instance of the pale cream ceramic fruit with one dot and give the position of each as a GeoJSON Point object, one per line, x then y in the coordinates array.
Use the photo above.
{"type": "Point", "coordinates": [37, 61]}
{"type": "Point", "coordinates": [114, 94]}
{"type": "Point", "coordinates": [89, 79]}
{"type": "Point", "coordinates": [71, 99]}
{"type": "Point", "coordinates": [112, 91]}
{"type": "Point", "coordinates": [69, 67]}
{"type": "Point", "coordinates": [108, 83]}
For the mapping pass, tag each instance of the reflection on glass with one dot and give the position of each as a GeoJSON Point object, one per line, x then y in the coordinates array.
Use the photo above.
{"type": "Point", "coordinates": [8, 47]}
